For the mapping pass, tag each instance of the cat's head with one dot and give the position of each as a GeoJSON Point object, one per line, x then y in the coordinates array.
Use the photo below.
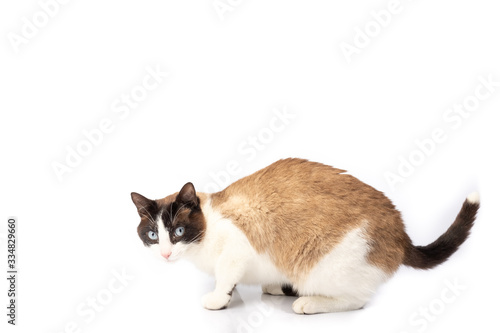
{"type": "Point", "coordinates": [171, 226]}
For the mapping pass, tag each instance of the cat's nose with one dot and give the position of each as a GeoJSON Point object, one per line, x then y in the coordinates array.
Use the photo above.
{"type": "Point", "coordinates": [166, 255]}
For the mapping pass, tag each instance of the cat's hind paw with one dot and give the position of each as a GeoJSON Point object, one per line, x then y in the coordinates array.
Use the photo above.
{"type": "Point", "coordinates": [279, 290]}
{"type": "Point", "coordinates": [320, 304]}
{"type": "Point", "coordinates": [273, 289]}
{"type": "Point", "coordinates": [308, 305]}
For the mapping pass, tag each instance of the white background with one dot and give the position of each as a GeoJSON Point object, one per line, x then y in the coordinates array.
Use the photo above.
{"type": "Point", "coordinates": [225, 79]}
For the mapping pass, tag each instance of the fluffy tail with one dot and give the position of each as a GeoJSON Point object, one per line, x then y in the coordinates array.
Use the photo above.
{"type": "Point", "coordinates": [426, 257]}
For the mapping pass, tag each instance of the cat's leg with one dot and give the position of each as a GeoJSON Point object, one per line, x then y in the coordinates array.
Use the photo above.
{"type": "Point", "coordinates": [272, 289]}
{"type": "Point", "coordinates": [279, 290]}
{"type": "Point", "coordinates": [288, 290]}
{"type": "Point", "coordinates": [342, 280]}
{"type": "Point", "coordinates": [319, 304]}
{"type": "Point", "coordinates": [229, 269]}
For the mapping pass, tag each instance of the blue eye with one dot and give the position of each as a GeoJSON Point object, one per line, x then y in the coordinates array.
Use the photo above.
{"type": "Point", "coordinates": [152, 235]}
{"type": "Point", "coordinates": [179, 231]}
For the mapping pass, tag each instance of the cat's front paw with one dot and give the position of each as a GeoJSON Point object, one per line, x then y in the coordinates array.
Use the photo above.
{"type": "Point", "coordinates": [215, 301]}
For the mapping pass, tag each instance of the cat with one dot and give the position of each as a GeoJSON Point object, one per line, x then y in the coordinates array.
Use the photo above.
{"type": "Point", "coordinates": [296, 228]}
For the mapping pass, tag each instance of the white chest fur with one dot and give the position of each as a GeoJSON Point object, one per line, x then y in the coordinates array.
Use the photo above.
{"type": "Point", "coordinates": [224, 241]}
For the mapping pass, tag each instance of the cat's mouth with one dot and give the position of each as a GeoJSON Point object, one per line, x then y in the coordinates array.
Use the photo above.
{"type": "Point", "coordinates": [171, 259]}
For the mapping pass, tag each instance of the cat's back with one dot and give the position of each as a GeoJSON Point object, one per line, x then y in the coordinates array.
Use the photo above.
{"type": "Point", "coordinates": [289, 175]}
{"type": "Point", "coordinates": [298, 183]}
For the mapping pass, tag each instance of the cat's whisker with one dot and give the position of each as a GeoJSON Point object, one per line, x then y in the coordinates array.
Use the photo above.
{"type": "Point", "coordinates": [177, 213]}
{"type": "Point", "coordinates": [169, 211]}
{"type": "Point", "coordinates": [198, 237]}
{"type": "Point", "coordinates": [150, 218]}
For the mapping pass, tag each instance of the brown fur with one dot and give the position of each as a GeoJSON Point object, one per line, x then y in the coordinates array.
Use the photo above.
{"type": "Point", "coordinates": [297, 211]}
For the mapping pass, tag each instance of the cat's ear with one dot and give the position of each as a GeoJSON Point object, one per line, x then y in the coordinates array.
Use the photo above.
{"type": "Point", "coordinates": [142, 203]}
{"type": "Point", "coordinates": [187, 195]}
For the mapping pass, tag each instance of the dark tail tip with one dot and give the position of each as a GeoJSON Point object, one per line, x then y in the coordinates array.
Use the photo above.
{"type": "Point", "coordinates": [426, 257]}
